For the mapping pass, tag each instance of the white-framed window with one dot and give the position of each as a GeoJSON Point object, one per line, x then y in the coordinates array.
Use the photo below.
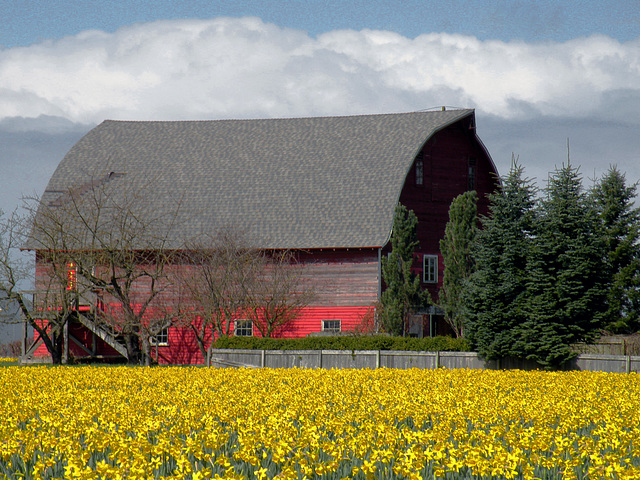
{"type": "Point", "coordinates": [332, 326]}
{"type": "Point", "coordinates": [161, 339]}
{"type": "Point", "coordinates": [430, 269]}
{"type": "Point", "coordinates": [243, 328]}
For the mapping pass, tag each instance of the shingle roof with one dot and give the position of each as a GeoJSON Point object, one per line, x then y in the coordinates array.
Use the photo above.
{"type": "Point", "coordinates": [326, 182]}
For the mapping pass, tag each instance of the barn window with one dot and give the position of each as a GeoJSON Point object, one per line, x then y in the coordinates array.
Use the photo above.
{"type": "Point", "coordinates": [161, 339]}
{"type": "Point", "coordinates": [244, 328]}
{"type": "Point", "coordinates": [471, 179]}
{"type": "Point", "coordinates": [430, 269]}
{"type": "Point", "coordinates": [331, 326]}
{"type": "Point", "coordinates": [419, 171]}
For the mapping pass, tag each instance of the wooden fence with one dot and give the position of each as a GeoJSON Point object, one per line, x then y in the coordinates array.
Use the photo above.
{"type": "Point", "coordinates": [405, 359]}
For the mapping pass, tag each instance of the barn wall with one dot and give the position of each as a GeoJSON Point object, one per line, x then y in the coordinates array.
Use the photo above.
{"type": "Point", "coordinates": [345, 283]}
{"type": "Point", "coordinates": [182, 347]}
{"type": "Point", "coordinates": [342, 278]}
{"type": "Point", "coordinates": [446, 159]}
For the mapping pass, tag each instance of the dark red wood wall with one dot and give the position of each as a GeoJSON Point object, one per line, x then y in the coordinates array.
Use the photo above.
{"type": "Point", "coordinates": [446, 159]}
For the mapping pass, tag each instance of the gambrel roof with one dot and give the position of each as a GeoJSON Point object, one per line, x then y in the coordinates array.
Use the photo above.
{"type": "Point", "coordinates": [304, 183]}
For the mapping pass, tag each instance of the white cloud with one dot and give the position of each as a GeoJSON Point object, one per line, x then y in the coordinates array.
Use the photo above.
{"type": "Point", "coordinates": [556, 79]}
{"type": "Point", "coordinates": [246, 68]}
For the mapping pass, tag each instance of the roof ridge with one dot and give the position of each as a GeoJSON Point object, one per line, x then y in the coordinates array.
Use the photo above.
{"type": "Point", "coordinates": [358, 115]}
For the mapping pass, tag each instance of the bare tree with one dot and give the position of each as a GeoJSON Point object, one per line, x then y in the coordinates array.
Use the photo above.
{"type": "Point", "coordinates": [125, 262]}
{"type": "Point", "coordinates": [121, 252]}
{"type": "Point", "coordinates": [49, 311]}
{"type": "Point", "coordinates": [11, 349]}
{"type": "Point", "coordinates": [131, 292]}
{"type": "Point", "coordinates": [231, 279]}
{"type": "Point", "coordinates": [368, 323]}
{"type": "Point", "coordinates": [280, 294]}
{"type": "Point", "coordinates": [224, 270]}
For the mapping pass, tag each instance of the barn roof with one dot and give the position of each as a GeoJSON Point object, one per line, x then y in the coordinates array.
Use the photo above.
{"type": "Point", "coordinates": [326, 182]}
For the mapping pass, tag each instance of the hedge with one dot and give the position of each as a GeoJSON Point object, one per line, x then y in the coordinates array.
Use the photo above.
{"type": "Point", "coordinates": [377, 342]}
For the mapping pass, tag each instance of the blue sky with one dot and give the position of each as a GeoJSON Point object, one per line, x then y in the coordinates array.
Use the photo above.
{"type": "Point", "coordinates": [27, 22]}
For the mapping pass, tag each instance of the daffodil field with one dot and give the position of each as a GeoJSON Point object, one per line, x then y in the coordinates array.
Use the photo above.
{"type": "Point", "coordinates": [195, 423]}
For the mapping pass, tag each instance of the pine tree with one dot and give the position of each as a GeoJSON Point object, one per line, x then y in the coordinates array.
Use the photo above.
{"type": "Point", "coordinates": [403, 294]}
{"type": "Point", "coordinates": [566, 274]}
{"type": "Point", "coordinates": [496, 294]}
{"type": "Point", "coordinates": [459, 236]}
{"type": "Point", "coordinates": [620, 226]}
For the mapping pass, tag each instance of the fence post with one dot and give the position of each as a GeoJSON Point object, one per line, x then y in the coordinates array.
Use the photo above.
{"type": "Point", "coordinates": [627, 363]}
{"type": "Point", "coordinates": [378, 359]}
{"type": "Point", "coordinates": [320, 359]}
{"type": "Point", "coordinates": [437, 359]}
{"type": "Point", "coordinates": [262, 353]}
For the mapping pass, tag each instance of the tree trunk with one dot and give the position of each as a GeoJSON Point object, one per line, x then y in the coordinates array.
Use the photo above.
{"type": "Point", "coordinates": [53, 341]}
{"type": "Point", "coordinates": [133, 348]}
{"type": "Point", "coordinates": [57, 343]}
{"type": "Point", "coordinates": [146, 352]}
{"type": "Point", "coordinates": [200, 339]}
{"type": "Point", "coordinates": [56, 355]}
{"type": "Point", "coordinates": [210, 348]}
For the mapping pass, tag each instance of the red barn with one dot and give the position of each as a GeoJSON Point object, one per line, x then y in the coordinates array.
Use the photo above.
{"type": "Point", "coordinates": [325, 187]}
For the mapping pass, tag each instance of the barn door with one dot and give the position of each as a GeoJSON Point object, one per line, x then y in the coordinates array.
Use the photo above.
{"type": "Point", "coordinates": [415, 326]}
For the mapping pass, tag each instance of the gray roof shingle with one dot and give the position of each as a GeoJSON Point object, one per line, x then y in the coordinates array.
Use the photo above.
{"type": "Point", "coordinates": [325, 182]}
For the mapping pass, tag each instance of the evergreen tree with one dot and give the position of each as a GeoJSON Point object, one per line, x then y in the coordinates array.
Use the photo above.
{"type": "Point", "coordinates": [566, 274]}
{"type": "Point", "coordinates": [620, 226]}
{"type": "Point", "coordinates": [403, 294]}
{"type": "Point", "coordinates": [459, 236]}
{"type": "Point", "coordinates": [496, 295]}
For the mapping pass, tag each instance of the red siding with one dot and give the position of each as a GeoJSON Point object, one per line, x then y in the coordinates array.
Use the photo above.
{"type": "Point", "coordinates": [182, 347]}
{"type": "Point", "coordinates": [41, 351]}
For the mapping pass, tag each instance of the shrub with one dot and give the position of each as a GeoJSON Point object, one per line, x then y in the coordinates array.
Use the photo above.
{"type": "Point", "coordinates": [376, 342]}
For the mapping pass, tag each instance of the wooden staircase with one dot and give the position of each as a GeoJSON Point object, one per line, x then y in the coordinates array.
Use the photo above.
{"type": "Point", "coordinates": [108, 337]}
